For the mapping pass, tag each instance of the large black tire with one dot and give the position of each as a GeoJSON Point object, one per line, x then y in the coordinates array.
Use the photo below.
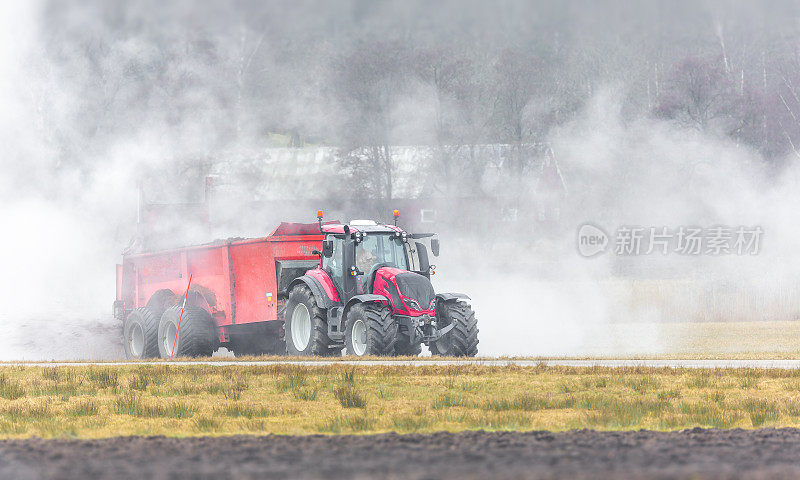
{"type": "Point", "coordinates": [258, 339]}
{"type": "Point", "coordinates": [160, 301]}
{"type": "Point", "coordinates": [306, 326]}
{"type": "Point", "coordinates": [140, 334]}
{"type": "Point", "coordinates": [377, 326]}
{"type": "Point", "coordinates": [462, 340]}
{"type": "Point", "coordinates": [197, 336]}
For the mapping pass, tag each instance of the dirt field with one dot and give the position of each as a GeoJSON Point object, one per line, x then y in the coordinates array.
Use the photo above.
{"type": "Point", "coordinates": [473, 455]}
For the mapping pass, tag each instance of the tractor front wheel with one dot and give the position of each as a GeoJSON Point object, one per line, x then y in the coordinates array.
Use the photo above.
{"type": "Point", "coordinates": [306, 330]}
{"type": "Point", "coordinates": [196, 337]}
{"type": "Point", "coordinates": [462, 339]}
{"type": "Point", "coordinates": [371, 330]}
{"type": "Point", "coordinates": [140, 334]}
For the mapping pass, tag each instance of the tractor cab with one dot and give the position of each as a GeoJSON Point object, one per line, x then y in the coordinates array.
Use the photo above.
{"type": "Point", "coordinates": [352, 261]}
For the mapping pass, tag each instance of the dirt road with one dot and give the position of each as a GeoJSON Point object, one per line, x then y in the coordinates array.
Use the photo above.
{"type": "Point", "coordinates": [472, 455]}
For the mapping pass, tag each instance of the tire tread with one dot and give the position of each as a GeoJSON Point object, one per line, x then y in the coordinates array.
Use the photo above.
{"type": "Point", "coordinates": [381, 328]}
{"type": "Point", "coordinates": [320, 342]}
{"type": "Point", "coordinates": [464, 335]}
{"type": "Point", "coordinates": [196, 335]}
{"type": "Point", "coordinates": [149, 323]}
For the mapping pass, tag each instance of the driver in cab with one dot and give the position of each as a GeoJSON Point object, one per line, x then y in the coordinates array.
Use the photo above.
{"type": "Point", "coordinates": [366, 257]}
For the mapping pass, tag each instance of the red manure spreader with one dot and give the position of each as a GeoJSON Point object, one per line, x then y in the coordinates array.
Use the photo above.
{"type": "Point", "coordinates": [306, 289]}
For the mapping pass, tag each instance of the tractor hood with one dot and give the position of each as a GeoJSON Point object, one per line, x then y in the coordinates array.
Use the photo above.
{"type": "Point", "coordinates": [414, 285]}
{"type": "Point", "coordinates": [409, 292]}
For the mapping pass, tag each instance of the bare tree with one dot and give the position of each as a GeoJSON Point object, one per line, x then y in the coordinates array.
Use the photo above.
{"type": "Point", "coordinates": [519, 74]}
{"type": "Point", "coordinates": [369, 84]}
{"type": "Point", "coordinates": [697, 94]}
{"type": "Point", "coordinates": [463, 104]}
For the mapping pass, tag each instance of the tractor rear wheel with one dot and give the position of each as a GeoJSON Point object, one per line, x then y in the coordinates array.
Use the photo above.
{"type": "Point", "coordinates": [140, 334]}
{"type": "Point", "coordinates": [462, 339]}
{"type": "Point", "coordinates": [371, 330]}
{"type": "Point", "coordinates": [197, 336]}
{"type": "Point", "coordinates": [306, 329]}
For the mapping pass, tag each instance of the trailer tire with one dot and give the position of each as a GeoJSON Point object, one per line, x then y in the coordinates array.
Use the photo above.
{"type": "Point", "coordinates": [160, 301]}
{"type": "Point", "coordinates": [140, 334]}
{"type": "Point", "coordinates": [462, 340]}
{"type": "Point", "coordinates": [306, 330]}
{"type": "Point", "coordinates": [197, 336]}
{"type": "Point", "coordinates": [371, 330]}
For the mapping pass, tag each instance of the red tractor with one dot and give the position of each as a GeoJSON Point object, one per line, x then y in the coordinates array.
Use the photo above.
{"type": "Point", "coordinates": [306, 289]}
{"type": "Point", "coordinates": [372, 295]}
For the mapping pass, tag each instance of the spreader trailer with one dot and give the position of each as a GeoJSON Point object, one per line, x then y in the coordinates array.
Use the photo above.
{"type": "Point", "coordinates": [305, 289]}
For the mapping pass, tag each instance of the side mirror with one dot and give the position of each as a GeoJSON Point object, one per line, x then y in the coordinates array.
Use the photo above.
{"type": "Point", "coordinates": [435, 247]}
{"type": "Point", "coordinates": [327, 248]}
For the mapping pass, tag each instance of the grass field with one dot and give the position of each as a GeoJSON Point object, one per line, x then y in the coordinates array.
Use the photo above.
{"type": "Point", "coordinates": [173, 400]}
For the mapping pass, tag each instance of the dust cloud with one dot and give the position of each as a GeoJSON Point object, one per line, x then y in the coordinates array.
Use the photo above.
{"type": "Point", "coordinates": [539, 296]}
{"type": "Point", "coordinates": [88, 106]}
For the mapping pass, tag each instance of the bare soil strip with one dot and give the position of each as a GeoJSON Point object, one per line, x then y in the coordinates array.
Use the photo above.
{"type": "Point", "coordinates": [764, 453]}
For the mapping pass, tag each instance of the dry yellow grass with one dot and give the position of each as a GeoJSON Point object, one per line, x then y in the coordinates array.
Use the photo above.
{"type": "Point", "coordinates": [207, 400]}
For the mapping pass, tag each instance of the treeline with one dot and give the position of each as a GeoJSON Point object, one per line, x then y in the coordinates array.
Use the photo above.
{"type": "Point", "coordinates": [218, 78]}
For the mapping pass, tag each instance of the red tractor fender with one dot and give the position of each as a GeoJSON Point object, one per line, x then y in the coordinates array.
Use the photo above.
{"type": "Point", "coordinates": [321, 287]}
{"type": "Point", "coordinates": [363, 298]}
{"type": "Point", "coordinates": [445, 297]}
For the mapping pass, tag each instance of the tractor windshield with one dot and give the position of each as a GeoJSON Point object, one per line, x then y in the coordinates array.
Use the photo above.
{"type": "Point", "coordinates": [386, 249]}
{"type": "Point", "coordinates": [375, 249]}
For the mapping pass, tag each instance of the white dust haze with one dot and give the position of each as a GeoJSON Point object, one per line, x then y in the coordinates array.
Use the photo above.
{"type": "Point", "coordinates": [64, 226]}
{"type": "Point", "coordinates": [58, 233]}
{"type": "Point", "coordinates": [537, 297]}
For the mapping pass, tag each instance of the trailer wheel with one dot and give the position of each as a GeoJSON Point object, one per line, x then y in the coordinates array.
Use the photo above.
{"type": "Point", "coordinates": [306, 329]}
{"type": "Point", "coordinates": [140, 334]}
{"type": "Point", "coordinates": [160, 301]}
{"type": "Point", "coordinates": [462, 340]}
{"type": "Point", "coordinates": [371, 330]}
{"type": "Point", "coordinates": [197, 336]}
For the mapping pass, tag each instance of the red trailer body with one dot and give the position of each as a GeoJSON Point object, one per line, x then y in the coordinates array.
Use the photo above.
{"type": "Point", "coordinates": [238, 281]}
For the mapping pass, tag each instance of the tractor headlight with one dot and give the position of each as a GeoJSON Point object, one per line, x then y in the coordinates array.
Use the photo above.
{"type": "Point", "coordinates": [411, 303]}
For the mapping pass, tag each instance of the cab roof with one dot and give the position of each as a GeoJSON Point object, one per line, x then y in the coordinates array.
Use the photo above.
{"type": "Point", "coordinates": [376, 228]}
